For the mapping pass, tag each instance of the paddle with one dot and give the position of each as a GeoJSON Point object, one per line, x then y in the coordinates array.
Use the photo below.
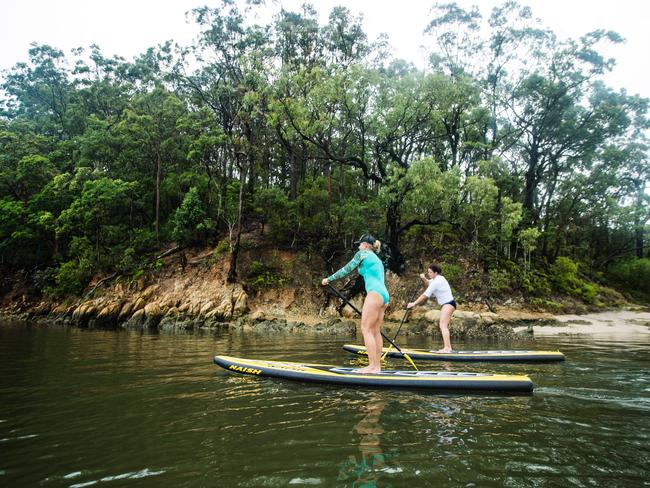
{"type": "Point", "coordinates": [417, 289]}
{"type": "Point", "coordinates": [408, 358]}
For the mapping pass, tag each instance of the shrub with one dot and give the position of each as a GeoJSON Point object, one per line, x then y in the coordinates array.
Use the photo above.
{"type": "Point", "coordinates": [262, 275]}
{"type": "Point", "coordinates": [190, 222]}
{"type": "Point", "coordinates": [546, 305]}
{"type": "Point", "coordinates": [536, 284]}
{"type": "Point", "coordinates": [564, 276]}
{"type": "Point", "coordinates": [499, 281]}
{"type": "Point", "coordinates": [633, 276]}
{"type": "Point", "coordinates": [70, 279]}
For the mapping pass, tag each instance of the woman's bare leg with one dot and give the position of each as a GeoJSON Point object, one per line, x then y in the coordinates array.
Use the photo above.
{"type": "Point", "coordinates": [370, 320]}
{"type": "Point", "coordinates": [445, 317]}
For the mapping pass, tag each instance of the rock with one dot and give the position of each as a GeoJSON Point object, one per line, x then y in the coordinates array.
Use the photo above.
{"type": "Point", "coordinates": [205, 308]}
{"type": "Point", "coordinates": [336, 327]}
{"type": "Point", "coordinates": [42, 308]}
{"type": "Point", "coordinates": [395, 316]}
{"type": "Point", "coordinates": [488, 317]}
{"type": "Point", "coordinates": [172, 312]}
{"type": "Point", "coordinates": [107, 316]}
{"type": "Point", "coordinates": [223, 311]}
{"type": "Point", "coordinates": [239, 301]}
{"type": "Point", "coordinates": [462, 314]}
{"type": "Point", "coordinates": [432, 315]}
{"type": "Point", "coordinates": [139, 304]}
{"type": "Point", "coordinates": [214, 324]}
{"type": "Point", "coordinates": [149, 292]}
{"type": "Point", "coordinates": [125, 311]}
{"type": "Point", "coordinates": [257, 316]}
{"type": "Point", "coordinates": [419, 327]}
{"type": "Point", "coordinates": [348, 312]}
{"type": "Point", "coordinates": [136, 320]}
{"type": "Point", "coordinates": [273, 325]}
{"type": "Point", "coordinates": [153, 310]}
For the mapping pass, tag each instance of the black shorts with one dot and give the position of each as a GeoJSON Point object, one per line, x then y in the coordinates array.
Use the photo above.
{"type": "Point", "coordinates": [452, 303]}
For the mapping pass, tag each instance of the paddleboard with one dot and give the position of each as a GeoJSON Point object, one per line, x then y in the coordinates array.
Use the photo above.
{"type": "Point", "coordinates": [468, 356]}
{"type": "Point", "coordinates": [424, 380]}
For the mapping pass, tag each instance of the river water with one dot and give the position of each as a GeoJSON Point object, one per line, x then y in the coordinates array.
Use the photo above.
{"type": "Point", "coordinates": [120, 408]}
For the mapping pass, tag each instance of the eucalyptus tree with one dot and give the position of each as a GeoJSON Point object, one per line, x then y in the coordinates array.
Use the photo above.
{"type": "Point", "coordinates": [95, 223]}
{"type": "Point", "coordinates": [549, 117]}
{"type": "Point", "coordinates": [40, 90]}
{"type": "Point", "coordinates": [299, 47]}
{"type": "Point", "coordinates": [150, 140]}
{"type": "Point", "coordinates": [489, 52]}
{"type": "Point", "coordinates": [559, 117]}
{"type": "Point", "coordinates": [234, 59]}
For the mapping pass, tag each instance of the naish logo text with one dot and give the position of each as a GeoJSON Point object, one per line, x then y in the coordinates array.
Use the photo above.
{"type": "Point", "coordinates": [242, 369]}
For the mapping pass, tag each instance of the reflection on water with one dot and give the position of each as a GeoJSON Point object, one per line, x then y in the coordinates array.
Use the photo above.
{"type": "Point", "coordinates": [361, 470]}
{"type": "Point", "coordinates": [104, 408]}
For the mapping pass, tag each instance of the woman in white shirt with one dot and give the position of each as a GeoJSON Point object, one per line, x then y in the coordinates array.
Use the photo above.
{"type": "Point", "coordinates": [437, 285]}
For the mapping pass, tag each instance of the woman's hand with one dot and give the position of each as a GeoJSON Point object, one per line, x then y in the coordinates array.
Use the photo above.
{"type": "Point", "coordinates": [422, 276]}
{"type": "Point", "coordinates": [325, 282]}
{"type": "Point", "coordinates": [410, 305]}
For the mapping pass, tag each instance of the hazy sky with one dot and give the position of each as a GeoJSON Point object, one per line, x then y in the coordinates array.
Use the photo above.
{"type": "Point", "coordinates": [128, 28]}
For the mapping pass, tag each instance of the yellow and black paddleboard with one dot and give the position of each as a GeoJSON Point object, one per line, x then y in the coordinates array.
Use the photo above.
{"type": "Point", "coordinates": [425, 380]}
{"type": "Point", "coordinates": [467, 356]}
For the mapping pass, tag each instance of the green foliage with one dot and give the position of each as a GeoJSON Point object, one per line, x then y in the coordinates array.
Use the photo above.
{"type": "Point", "coordinates": [564, 275]}
{"type": "Point", "coordinates": [313, 210]}
{"type": "Point", "coordinates": [437, 191]}
{"type": "Point", "coordinates": [324, 136]}
{"type": "Point", "coordinates": [278, 212]}
{"type": "Point", "coordinates": [190, 222]}
{"type": "Point", "coordinates": [536, 284]}
{"type": "Point", "coordinates": [633, 276]}
{"type": "Point", "coordinates": [70, 279]}
{"type": "Point", "coordinates": [528, 239]}
{"type": "Point", "coordinates": [500, 281]}
{"type": "Point", "coordinates": [222, 248]}
{"type": "Point", "coordinates": [546, 305]}
{"type": "Point", "coordinates": [264, 274]}
{"type": "Point", "coordinates": [453, 272]}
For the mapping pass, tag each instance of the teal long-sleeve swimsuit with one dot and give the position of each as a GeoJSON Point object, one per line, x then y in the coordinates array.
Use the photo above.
{"type": "Point", "coordinates": [372, 270]}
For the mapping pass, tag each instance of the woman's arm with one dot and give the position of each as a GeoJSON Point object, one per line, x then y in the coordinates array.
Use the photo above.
{"type": "Point", "coordinates": [420, 299]}
{"type": "Point", "coordinates": [347, 269]}
{"type": "Point", "coordinates": [424, 279]}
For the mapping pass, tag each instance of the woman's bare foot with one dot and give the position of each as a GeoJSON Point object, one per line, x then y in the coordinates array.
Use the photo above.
{"type": "Point", "coordinates": [446, 351]}
{"type": "Point", "coordinates": [368, 370]}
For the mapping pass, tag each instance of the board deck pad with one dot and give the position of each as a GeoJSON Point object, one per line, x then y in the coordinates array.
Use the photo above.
{"type": "Point", "coordinates": [505, 356]}
{"type": "Point", "coordinates": [426, 380]}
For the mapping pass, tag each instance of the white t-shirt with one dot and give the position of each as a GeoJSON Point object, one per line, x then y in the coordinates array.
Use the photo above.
{"type": "Point", "coordinates": [441, 289]}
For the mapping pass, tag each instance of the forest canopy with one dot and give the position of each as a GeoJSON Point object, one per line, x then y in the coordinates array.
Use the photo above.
{"type": "Point", "coordinates": [509, 150]}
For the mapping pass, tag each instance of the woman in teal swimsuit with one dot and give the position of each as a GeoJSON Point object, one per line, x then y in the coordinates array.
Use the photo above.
{"type": "Point", "coordinates": [374, 306]}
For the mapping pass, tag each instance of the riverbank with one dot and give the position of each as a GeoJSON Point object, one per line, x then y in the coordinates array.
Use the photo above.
{"type": "Point", "coordinates": [196, 295]}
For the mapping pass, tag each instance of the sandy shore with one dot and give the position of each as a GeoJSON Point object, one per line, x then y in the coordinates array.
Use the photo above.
{"type": "Point", "coordinates": [621, 324]}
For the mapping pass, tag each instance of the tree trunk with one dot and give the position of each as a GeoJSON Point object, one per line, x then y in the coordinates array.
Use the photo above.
{"type": "Point", "coordinates": [639, 226]}
{"type": "Point", "coordinates": [158, 178]}
{"type": "Point", "coordinates": [530, 192]}
{"type": "Point", "coordinates": [293, 192]}
{"type": "Point", "coordinates": [395, 261]}
{"type": "Point", "coordinates": [232, 271]}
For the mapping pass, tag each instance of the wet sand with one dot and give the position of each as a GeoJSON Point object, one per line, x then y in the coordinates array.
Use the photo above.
{"type": "Point", "coordinates": [619, 324]}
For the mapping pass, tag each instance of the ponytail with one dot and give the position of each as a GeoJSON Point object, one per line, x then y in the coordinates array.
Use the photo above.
{"type": "Point", "coordinates": [377, 246]}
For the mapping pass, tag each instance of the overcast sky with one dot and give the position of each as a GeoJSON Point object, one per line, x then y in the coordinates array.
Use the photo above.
{"type": "Point", "coordinates": [128, 28]}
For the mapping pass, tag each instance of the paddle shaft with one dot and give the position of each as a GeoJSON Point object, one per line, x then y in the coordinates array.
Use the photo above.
{"type": "Point", "coordinates": [408, 310]}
